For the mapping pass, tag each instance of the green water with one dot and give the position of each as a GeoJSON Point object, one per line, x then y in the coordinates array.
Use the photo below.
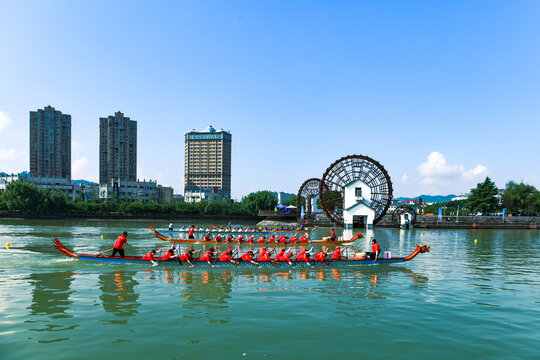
{"type": "Point", "coordinates": [462, 300]}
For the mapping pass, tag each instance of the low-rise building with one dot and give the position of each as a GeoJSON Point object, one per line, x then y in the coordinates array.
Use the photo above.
{"type": "Point", "coordinates": [165, 193]}
{"type": "Point", "coordinates": [129, 191]}
{"type": "Point", "coordinates": [207, 195]}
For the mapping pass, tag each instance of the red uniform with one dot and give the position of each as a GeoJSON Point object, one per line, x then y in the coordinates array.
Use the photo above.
{"type": "Point", "coordinates": [148, 256]}
{"type": "Point", "coordinates": [293, 239]}
{"type": "Point", "coordinates": [207, 237]}
{"type": "Point", "coordinates": [226, 255]}
{"type": "Point", "coordinates": [240, 238]}
{"type": "Point", "coordinates": [250, 239]}
{"type": "Point", "coordinates": [229, 238]}
{"type": "Point", "coordinates": [261, 239]}
{"type": "Point", "coordinates": [169, 254]}
{"type": "Point", "coordinates": [191, 231]}
{"type": "Point", "coordinates": [303, 239]}
{"type": "Point", "coordinates": [319, 256]}
{"type": "Point", "coordinates": [282, 239]}
{"type": "Point", "coordinates": [207, 256]}
{"type": "Point", "coordinates": [337, 254]}
{"type": "Point", "coordinates": [279, 255]}
{"type": "Point", "coordinates": [302, 256]}
{"type": "Point", "coordinates": [247, 257]}
{"type": "Point", "coordinates": [120, 241]}
{"type": "Point", "coordinates": [272, 239]}
{"type": "Point", "coordinates": [375, 248]}
{"type": "Point", "coordinates": [263, 256]}
{"type": "Point", "coordinates": [186, 256]}
{"type": "Point", "coordinates": [218, 238]}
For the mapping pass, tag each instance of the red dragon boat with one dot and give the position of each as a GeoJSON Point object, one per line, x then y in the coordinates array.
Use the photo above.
{"type": "Point", "coordinates": [137, 260]}
{"type": "Point", "coordinates": [266, 243]}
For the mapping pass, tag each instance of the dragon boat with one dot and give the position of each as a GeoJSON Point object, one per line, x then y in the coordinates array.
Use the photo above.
{"type": "Point", "coordinates": [137, 260]}
{"type": "Point", "coordinates": [238, 231]}
{"type": "Point", "coordinates": [324, 241]}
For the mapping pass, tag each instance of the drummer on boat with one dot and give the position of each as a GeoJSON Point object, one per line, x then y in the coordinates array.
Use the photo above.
{"type": "Point", "coordinates": [332, 235]}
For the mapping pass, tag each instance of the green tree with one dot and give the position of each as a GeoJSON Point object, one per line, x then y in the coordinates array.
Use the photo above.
{"type": "Point", "coordinates": [55, 202]}
{"type": "Point", "coordinates": [483, 197]}
{"type": "Point", "coordinates": [520, 198]}
{"type": "Point", "coordinates": [290, 201]}
{"type": "Point", "coordinates": [24, 198]}
{"type": "Point", "coordinates": [260, 200]}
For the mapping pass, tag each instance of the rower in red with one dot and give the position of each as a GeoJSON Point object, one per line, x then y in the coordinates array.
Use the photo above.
{"type": "Point", "coordinates": [248, 257]}
{"type": "Point", "coordinates": [218, 238]}
{"type": "Point", "coordinates": [250, 239]}
{"type": "Point", "coordinates": [337, 253]}
{"type": "Point", "coordinates": [230, 238]}
{"type": "Point", "coordinates": [304, 239]}
{"type": "Point", "coordinates": [264, 255]}
{"type": "Point", "coordinates": [188, 256]}
{"type": "Point", "coordinates": [240, 238]}
{"type": "Point", "coordinates": [226, 256]}
{"type": "Point", "coordinates": [321, 255]}
{"type": "Point", "coordinates": [118, 246]}
{"type": "Point", "coordinates": [262, 239]}
{"type": "Point", "coordinates": [304, 256]}
{"type": "Point", "coordinates": [272, 239]}
{"type": "Point", "coordinates": [207, 237]}
{"type": "Point", "coordinates": [169, 254]}
{"type": "Point", "coordinates": [191, 232]}
{"type": "Point", "coordinates": [207, 256]}
{"type": "Point", "coordinates": [282, 239]}
{"type": "Point", "coordinates": [294, 238]}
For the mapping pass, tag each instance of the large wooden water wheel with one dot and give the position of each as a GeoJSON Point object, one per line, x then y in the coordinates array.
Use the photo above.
{"type": "Point", "coordinates": [346, 170]}
{"type": "Point", "coordinates": [308, 190]}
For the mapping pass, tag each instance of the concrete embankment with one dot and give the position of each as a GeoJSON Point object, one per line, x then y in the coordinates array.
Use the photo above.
{"type": "Point", "coordinates": [471, 222]}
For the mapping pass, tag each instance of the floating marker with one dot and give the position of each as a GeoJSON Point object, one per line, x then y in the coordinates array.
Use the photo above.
{"type": "Point", "coordinates": [8, 245]}
{"type": "Point", "coordinates": [421, 234]}
{"type": "Point", "coordinates": [475, 240]}
{"type": "Point", "coordinates": [101, 237]}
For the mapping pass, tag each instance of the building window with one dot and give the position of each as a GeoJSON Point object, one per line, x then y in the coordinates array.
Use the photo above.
{"type": "Point", "coordinates": [358, 192]}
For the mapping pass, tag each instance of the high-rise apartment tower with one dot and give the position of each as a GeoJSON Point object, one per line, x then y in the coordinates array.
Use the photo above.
{"type": "Point", "coordinates": [50, 143]}
{"type": "Point", "coordinates": [208, 162]}
{"type": "Point", "coordinates": [117, 149]}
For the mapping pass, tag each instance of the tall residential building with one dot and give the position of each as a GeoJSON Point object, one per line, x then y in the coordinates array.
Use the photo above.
{"type": "Point", "coordinates": [117, 149]}
{"type": "Point", "coordinates": [207, 164]}
{"type": "Point", "coordinates": [50, 144]}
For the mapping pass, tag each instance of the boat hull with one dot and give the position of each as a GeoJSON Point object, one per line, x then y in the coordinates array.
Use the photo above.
{"type": "Point", "coordinates": [133, 260]}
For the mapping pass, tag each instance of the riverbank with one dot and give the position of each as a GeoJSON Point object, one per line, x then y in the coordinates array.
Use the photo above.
{"type": "Point", "coordinates": [172, 218]}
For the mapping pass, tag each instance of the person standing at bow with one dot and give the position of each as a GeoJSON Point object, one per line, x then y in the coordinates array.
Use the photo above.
{"type": "Point", "coordinates": [119, 245]}
{"type": "Point", "coordinates": [332, 235]}
{"type": "Point", "coordinates": [191, 232]}
{"type": "Point", "coordinates": [171, 227]}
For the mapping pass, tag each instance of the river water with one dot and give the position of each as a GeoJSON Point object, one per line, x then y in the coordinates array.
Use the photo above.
{"type": "Point", "coordinates": [462, 300]}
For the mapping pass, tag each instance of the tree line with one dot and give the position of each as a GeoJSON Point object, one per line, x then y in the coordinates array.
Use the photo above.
{"type": "Point", "coordinates": [517, 198]}
{"type": "Point", "coordinates": [27, 199]}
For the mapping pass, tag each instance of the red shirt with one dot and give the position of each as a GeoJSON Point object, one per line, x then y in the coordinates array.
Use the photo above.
{"type": "Point", "coordinates": [167, 255]}
{"type": "Point", "coordinates": [120, 241]}
{"type": "Point", "coordinates": [282, 239]}
{"type": "Point", "coordinates": [240, 238]}
{"type": "Point", "coordinates": [263, 256]}
{"type": "Point", "coordinates": [225, 256]}
{"type": "Point", "coordinates": [229, 238]}
{"type": "Point", "coordinates": [191, 231]}
{"type": "Point", "coordinates": [207, 237]}
{"type": "Point", "coordinates": [272, 239]}
{"type": "Point", "coordinates": [185, 257]}
{"type": "Point", "coordinates": [336, 255]}
{"type": "Point", "coordinates": [250, 239]}
{"type": "Point", "coordinates": [246, 257]}
{"type": "Point", "coordinates": [302, 256]}
{"type": "Point", "coordinates": [148, 256]}
{"type": "Point", "coordinates": [375, 248]}
{"type": "Point", "coordinates": [303, 239]}
{"type": "Point", "coordinates": [332, 233]}
{"type": "Point", "coordinates": [218, 237]}
{"type": "Point", "coordinates": [319, 256]}
{"type": "Point", "coordinates": [279, 255]}
{"type": "Point", "coordinates": [207, 256]}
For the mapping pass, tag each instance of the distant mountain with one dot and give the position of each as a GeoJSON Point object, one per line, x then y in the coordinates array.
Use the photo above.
{"type": "Point", "coordinates": [284, 196]}
{"type": "Point", "coordinates": [431, 198]}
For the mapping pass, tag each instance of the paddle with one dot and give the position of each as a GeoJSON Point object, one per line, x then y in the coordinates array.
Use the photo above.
{"type": "Point", "coordinates": [99, 254]}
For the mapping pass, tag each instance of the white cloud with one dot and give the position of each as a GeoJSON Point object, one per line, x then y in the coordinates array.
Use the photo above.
{"type": "Point", "coordinates": [404, 178]}
{"type": "Point", "coordinates": [440, 177]}
{"type": "Point", "coordinates": [5, 121]}
{"type": "Point", "coordinates": [79, 168]}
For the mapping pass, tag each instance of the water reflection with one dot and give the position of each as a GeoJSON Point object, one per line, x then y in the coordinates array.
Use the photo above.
{"type": "Point", "coordinates": [50, 297]}
{"type": "Point", "coordinates": [118, 294]}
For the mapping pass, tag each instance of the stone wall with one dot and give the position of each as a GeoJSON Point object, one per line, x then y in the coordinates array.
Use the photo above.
{"type": "Point", "coordinates": [469, 222]}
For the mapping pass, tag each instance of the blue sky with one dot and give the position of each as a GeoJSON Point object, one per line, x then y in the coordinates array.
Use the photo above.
{"type": "Point", "coordinates": [441, 93]}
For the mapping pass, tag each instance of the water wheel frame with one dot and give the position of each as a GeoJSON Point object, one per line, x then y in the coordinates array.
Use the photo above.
{"type": "Point", "coordinates": [400, 210]}
{"type": "Point", "coordinates": [346, 170]}
{"type": "Point", "coordinates": [311, 186]}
